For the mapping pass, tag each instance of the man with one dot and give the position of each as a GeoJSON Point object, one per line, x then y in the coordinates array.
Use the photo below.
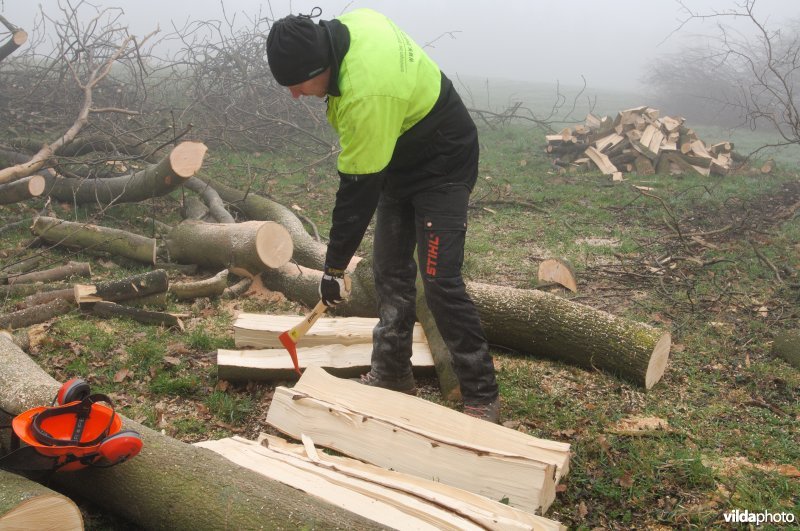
{"type": "Point", "coordinates": [410, 150]}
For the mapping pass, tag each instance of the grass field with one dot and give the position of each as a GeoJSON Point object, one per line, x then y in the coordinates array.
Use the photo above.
{"type": "Point", "coordinates": [713, 260]}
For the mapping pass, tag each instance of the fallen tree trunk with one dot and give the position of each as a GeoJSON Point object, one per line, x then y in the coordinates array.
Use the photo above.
{"type": "Point", "coordinates": [251, 247]}
{"type": "Point", "coordinates": [442, 359]}
{"type": "Point", "coordinates": [23, 189]}
{"type": "Point", "coordinates": [24, 504]}
{"type": "Point", "coordinates": [71, 269]}
{"type": "Point", "coordinates": [18, 37]}
{"type": "Point", "coordinates": [170, 484]}
{"type": "Point", "coordinates": [34, 314]}
{"type": "Point", "coordinates": [528, 321]}
{"type": "Point", "coordinates": [96, 238]}
{"type": "Point", "coordinates": [155, 180]}
{"type": "Point", "coordinates": [124, 289]}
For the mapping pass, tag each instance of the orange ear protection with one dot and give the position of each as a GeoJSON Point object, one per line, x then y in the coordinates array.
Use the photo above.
{"type": "Point", "coordinates": [80, 431]}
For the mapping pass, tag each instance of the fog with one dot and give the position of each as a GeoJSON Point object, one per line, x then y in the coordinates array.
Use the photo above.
{"type": "Point", "coordinates": [607, 43]}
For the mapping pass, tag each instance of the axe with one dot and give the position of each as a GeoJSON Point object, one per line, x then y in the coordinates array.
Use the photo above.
{"type": "Point", "coordinates": [290, 338]}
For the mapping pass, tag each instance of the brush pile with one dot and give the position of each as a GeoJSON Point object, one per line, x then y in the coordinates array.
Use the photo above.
{"type": "Point", "coordinates": [641, 141]}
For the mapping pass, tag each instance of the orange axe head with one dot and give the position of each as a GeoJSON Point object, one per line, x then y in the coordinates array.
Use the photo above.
{"type": "Point", "coordinates": [290, 338]}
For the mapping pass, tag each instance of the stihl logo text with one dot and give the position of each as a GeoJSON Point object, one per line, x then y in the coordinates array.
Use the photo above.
{"type": "Point", "coordinates": [433, 256]}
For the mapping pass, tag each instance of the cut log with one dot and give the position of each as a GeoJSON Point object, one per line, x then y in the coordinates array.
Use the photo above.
{"type": "Point", "coordinates": [22, 189]}
{"type": "Point", "coordinates": [194, 208]}
{"type": "Point", "coordinates": [71, 269]}
{"type": "Point", "coordinates": [154, 181]}
{"type": "Point", "coordinates": [767, 167]}
{"type": "Point", "coordinates": [258, 330]}
{"type": "Point", "coordinates": [96, 238]}
{"type": "Point", "coordinates": [170, 484]}
{"type": "Point", "coordinates": [449, 385]}
{"type": "Point", "coordinates": [388, 492]}
{"type": "Point", "coordinates": [547, 325]}
{"type": "Point", "coordinates": [18, 38]}
{"type": "Point", "coordinates": [528, 321]}
{"type": "Point", "coordinates": [558, 271]}
{"type": "Point", "coordinates": [786, 345]}
{"type": "Point", "coordinates": [34, 314]}
{"type": "Point", "coordinates": [340, 360]}
{"type": "Point", "coordinates": [25, 504]}
{"type": "Point", "coordinates": [18, 267]}
{"type": "Point", "coordinates": [68, 294]}
{"type": "Point", "coordinates": [22, 290]}
{"type": "Point", "coordinates": [237, 289]}
{"type": "Point", "coordinates": [411, 435]}
{"type": "Point", "coordinates": [112, 309]}
{"type": "Point", "coordinates": [252, 246]}
{"type": "Point", "coordinates": [211, 287]}
{"type": "Point", "coordinates": [123, 289]}
{"type": "Point", "coordinates": [602, 162]}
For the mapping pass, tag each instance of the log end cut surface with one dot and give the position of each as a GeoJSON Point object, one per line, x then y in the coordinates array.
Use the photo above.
{"type": "Point", "coordinates": [187, 158]}
{"type": "Point", "coordinates": [274, 244]}
{"type": "Point", "coordinates": [658, 361]}
{"type": "Point", "coordinates": [49, 512]}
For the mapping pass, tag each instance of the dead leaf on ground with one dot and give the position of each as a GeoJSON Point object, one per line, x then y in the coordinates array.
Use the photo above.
{"type": "Point", "coordinates": [639, 424]}
{"type": "Point", "coordinates": [122, 375]}
{"type": "Point", "coordinates": [582, 510]}
{"type": "Point", "coordinates": [626, 481]}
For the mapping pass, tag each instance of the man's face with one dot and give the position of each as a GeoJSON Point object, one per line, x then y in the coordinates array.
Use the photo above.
{"type": "Point", "coordinates": [316, 86]}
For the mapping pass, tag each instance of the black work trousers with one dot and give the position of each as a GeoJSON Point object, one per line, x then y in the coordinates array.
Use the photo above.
{"type": "Point", "coordinates": [435, 222]}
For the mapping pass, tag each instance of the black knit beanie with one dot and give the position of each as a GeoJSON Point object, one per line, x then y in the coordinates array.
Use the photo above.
{"type": "Point", "coordinates": [297, 50]}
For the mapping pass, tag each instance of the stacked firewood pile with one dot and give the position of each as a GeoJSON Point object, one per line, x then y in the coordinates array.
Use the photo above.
{"type": "Point", "coordinates": [641, 141]}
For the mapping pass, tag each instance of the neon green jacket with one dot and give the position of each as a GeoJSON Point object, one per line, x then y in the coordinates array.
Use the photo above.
{"type": "Point", "coordinates": [387, 84]}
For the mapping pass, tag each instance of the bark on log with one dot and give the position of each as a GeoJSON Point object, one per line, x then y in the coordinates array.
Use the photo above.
{"type": "Point", "coordinates": [252, 246]}
{"type": "Point", "coordinates": [22, 189]}
{"type": "Point", "coordinates": [536, 322]}
{"type": "Point", "coordinates": [19, 267]}
{"type": "Point", "coordinates": [172, 485]}
{"type": "Point", "coordinates": [96, 238]}
{"type": "Point", "coordinates": [237, 289]}
{"type": "Point", "coordinates": [786, 345]}
{"type": "Point", "coordinates": [124, 289]}
{"type": "Point", "coordinates": [211, 198]}
{"type": "Point", "coordinates": [194, 208]}
{"type": "Point", "coordinates": [18, 38]}
{"type": "Point", "coordinates": [112, 309]}
{"type": "Point", "coordinates": [442, 358]}
{"type": "Point", "coordinates": [21, 290]}
{"type": "Point", "coordinates": [34, 314]}
{"type": "Point", "coordinates": [528, 321]}
{"type": "Point", "coordinates": [155, 180]}
{"type": "Point", "coordinates": [25, 504]}
{"type": "Point", "coordinates": [210, 287]}
{"type": "Point", "coordinates": [68, 294]}
{"type": "Point", "coordinates": [71, 269]}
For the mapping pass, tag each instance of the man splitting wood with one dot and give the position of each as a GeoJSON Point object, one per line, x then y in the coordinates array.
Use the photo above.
{"type": "Point", "coordinates": [409, 150]}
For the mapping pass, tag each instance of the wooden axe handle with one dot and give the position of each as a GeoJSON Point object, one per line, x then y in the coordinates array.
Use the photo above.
{"type": "Point", "coordinates": [301, 328]}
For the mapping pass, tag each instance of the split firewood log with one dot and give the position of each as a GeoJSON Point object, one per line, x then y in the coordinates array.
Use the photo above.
{"type": "Point", "coordinates": [25, 504]}
{"type": "Point", "coordinates": [252, 246]}
{"type": "Point", "coordinates": [411, 435]}
{"type": "Point", "coordinates": [170, 484]}
{"type": "Point", "coordinates": [96, 238]}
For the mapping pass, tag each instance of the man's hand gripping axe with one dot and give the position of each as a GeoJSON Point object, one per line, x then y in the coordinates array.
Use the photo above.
{"type": "Point", "coordinates": [290, 338]}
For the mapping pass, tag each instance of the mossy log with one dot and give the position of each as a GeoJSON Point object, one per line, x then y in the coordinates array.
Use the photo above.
{"type": "Point", "coordinates": [786, 345]}
{"type": "Point", "coordinates": [34, 314]}
{"type": "Point", "coordinates": [25, 504]}
{"type": "Point", "coordinates": [170, 484]}
{"type": "Point", "coordinates": [96, 238]}
{"type": "Point", "coordinates": [68, 270]}
{"type": "Point", "coordinates": [208, 287]}
{"type": "Point", "coordinates": [251, 247]}
{"type": "Point", "coordinates": [123, 289]}
{"type": "Point", "coordinates": [528, 321]}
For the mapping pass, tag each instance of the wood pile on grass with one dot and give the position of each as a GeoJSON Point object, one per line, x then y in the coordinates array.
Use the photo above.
{"type": "Point", "coordinates": [638, 140]}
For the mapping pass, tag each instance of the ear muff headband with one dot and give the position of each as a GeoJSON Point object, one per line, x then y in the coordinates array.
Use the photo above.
{"type": "Point", "coordinates": [82, 410]}
{"type": "Point", "coordinates": [72, 390]}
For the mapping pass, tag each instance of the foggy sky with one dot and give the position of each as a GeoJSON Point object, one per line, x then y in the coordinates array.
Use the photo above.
{"type": "Point", "coordinates": [609, 43]}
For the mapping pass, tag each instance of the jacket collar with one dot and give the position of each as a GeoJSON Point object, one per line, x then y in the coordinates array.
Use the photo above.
{"type": "Point", "coordinates": [339, 38]}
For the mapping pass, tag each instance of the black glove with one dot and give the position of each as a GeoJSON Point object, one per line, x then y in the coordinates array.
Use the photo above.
{"type": "Point", "coordinates": [334, 286]}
